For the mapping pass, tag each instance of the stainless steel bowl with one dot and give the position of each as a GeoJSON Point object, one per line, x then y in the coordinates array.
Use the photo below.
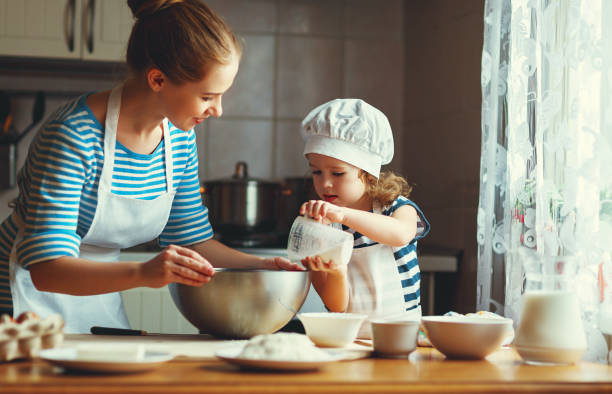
{"type": "Point", "coordinates": [240, 303]}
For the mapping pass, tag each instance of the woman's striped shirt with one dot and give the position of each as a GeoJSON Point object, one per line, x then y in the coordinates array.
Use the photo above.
{"type": "Point", "coordinates": [58, 188]}
{"type": "Point", "coordinates": [405, 256]}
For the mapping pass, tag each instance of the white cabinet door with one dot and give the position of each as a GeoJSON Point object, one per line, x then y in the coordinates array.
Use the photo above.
{"type": "Point", "coordinates": [77, 29]}
{"type": "Point", "coordinates": [154, 311]}
{"type": "Point", "coordinates": [40, 28]}
{"type": "Point", "coordinates": [106, 29]}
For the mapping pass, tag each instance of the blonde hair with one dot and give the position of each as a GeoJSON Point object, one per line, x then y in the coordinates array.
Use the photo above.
{"type": "Point", "coordinates": [386, 188]}
{"type": "Point", "coordinates": [180, 37]}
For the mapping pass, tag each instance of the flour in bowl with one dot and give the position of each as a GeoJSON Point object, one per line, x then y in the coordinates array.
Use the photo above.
{"type": "Point", "coordinates": [283, 346]}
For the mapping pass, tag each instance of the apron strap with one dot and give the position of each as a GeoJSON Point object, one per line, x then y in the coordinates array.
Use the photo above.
{"type": "Point", "coordinates": [110, 136]}
{"type": "Point", "coordinates": [168, 154]}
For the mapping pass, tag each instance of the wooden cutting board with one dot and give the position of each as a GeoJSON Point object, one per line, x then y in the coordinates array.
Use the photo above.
{"type": "Point", "coordinates": [186, 346]}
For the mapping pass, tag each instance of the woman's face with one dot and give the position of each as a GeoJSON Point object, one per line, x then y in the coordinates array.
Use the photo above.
{"type": "Point", "coordinates": [338, 182]}
{"type": "Point", "coordinates": [189, 103]}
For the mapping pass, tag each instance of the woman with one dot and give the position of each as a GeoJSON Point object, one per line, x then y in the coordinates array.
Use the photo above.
{"type": "Point", "coordinates": [114, 169]}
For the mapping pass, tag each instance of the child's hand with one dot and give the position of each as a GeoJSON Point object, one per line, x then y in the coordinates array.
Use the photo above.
{"type": "Point", "coordinates": [316, 263]}
{"type": "Point", "coordinates": [323, 211]}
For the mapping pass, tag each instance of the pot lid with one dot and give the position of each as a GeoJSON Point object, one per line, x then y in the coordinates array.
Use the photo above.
{"type": "Point", "coordinates": [241, 175]}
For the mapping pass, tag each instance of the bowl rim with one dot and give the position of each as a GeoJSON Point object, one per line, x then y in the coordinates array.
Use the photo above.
{"type": "Point", "coordinates": [467, 320]}
{"type": "Point", "coordinates": [224, 269]}
{"type": "Point", "coordinates": [342, 315]}
{"type": "Point", "coordinates": [395, 322]}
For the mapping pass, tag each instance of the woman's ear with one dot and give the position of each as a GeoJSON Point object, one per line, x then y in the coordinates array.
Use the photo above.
{"type": "Point", "coordinates": [155, 79]}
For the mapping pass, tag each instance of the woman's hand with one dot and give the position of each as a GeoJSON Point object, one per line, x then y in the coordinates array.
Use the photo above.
{"type": "Point", "coordinates": [316, 263]}
{"type": "Point", "coordinates": [323, 211]}
{"type": "Point", "coordinates": [177, 264]}
{"type": "Point", "coordinates": [281, 263]}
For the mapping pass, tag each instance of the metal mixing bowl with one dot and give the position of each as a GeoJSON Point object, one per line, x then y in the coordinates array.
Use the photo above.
{"type": "Point", "coordinates": [240, 303]}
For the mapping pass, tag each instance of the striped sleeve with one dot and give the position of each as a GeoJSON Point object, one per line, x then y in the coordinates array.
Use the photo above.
{"type": "Point", "coordinates": [423, 226]}
{"type": "Point", "coordinates": [188, 223]}
{"type": "Point", "coordinates": [51, 184]}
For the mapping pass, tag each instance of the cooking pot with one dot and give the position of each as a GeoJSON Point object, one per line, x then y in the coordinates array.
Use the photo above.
{"type": "Point", "coordinates": [241, 204]}
{"type": "Point", "coordinates": [294, 192]}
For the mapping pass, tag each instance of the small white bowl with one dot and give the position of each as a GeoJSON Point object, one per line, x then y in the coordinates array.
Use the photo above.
{"type": "Point", "coordinates": [330, 329]}
{"type": "Point", "coordinates": [394, 338]}
{"type": "Point", "coordinates": [466, 337]}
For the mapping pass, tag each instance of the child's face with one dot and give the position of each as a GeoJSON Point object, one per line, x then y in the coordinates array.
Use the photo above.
{"type": "Point", "coordinates": [338, 182]}
{"type": "Point", "coordinates": [188, 104]}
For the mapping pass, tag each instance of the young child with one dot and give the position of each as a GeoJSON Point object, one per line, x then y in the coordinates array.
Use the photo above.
{"type": "Point", "coordinates": [346, 142]}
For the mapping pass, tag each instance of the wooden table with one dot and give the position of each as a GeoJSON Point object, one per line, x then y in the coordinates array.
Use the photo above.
{"type": "Point", "coordinates": [425, 371]}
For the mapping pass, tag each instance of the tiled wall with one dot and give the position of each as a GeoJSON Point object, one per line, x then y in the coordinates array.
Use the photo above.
{"type": "Point", "coordinates": [298, 54]}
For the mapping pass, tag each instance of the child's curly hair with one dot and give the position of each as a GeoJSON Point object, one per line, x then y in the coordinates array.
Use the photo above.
{"type": "Point", "coordinates": [386, 188]}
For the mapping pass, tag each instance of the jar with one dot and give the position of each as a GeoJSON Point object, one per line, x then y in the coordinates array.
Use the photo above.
{"type": "Point", "coordinates": [604, 276]}
{"type": "Point", "coordinates": [550, 329]}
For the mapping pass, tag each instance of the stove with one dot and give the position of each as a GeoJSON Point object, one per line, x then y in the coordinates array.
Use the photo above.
{"type": "Point", "coordinates": [254, 240]}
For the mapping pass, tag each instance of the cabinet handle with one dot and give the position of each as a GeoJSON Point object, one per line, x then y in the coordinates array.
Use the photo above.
{"type": "Point", "coordinates": [91, 5]}
{"type": "Point", "coordinates": [70, 15]}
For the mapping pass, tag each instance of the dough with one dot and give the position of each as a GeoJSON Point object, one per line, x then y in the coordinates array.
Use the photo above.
{"type": "Point", "coordinates": [283, 346]}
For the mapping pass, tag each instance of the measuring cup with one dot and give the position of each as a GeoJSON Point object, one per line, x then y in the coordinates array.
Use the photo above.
{"type": "Point", "coordinates": [308, 237]}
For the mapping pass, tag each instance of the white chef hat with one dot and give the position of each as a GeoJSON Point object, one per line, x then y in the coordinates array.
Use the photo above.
{"type": "Point", "coordinates": [350, 130]}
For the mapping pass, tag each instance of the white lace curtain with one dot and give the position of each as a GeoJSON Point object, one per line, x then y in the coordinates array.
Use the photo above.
{"type": "Point", "coordinates": [546, 163]}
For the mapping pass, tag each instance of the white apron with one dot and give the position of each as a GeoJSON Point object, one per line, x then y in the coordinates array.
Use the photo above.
{"type": "Point", "coordinates": [119, 222]}
{"type": "Point", "coordinates": [375, 286]}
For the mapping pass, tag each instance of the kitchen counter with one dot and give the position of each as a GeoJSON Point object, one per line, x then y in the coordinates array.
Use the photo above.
{"type": "Point", "coordinates": [426, 370]}
{"type": "Point", "coordinates": [432, 262]}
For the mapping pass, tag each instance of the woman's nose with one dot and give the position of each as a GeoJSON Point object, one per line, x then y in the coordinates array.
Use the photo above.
{"type": "Point", "coordinates": [216, 109]}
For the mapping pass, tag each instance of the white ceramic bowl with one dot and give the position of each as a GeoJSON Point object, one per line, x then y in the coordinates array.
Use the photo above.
{"type": "Point", "coordinates": [466, 337]}
{"type": "Point", "coordinates": [331, 329]}
{"type": "Point", "coordinates": [394, 338]}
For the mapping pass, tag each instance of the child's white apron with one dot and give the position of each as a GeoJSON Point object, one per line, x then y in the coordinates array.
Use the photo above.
{"type": "Point", "coordinates": [119, 222]}
{"type": "Point", "coordinates": [375, 286]}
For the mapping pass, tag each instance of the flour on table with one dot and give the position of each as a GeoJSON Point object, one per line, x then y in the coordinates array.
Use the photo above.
{"type": "Point", "coordinates": [283, 346]}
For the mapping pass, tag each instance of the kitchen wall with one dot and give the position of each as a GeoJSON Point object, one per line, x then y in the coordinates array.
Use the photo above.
{"type": "Point", "coordinates": [298, 54]}
{"type": "Point", "coordinates": [443, 46]}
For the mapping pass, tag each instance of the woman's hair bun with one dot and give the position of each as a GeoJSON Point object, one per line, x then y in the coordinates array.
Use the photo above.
{"type": "Point", "coordinates": [180, 38]}
{"type": "Point", "coordinates": [144, 8]}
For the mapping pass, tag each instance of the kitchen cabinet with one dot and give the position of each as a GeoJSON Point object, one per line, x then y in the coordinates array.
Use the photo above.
{"type": "Point", "coordinates": [65, 29]}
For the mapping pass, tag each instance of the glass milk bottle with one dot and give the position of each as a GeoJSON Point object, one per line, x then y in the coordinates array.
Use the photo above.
{"type": "Point", "coordinates": [605, 308]}
{"type": "Point", "coordinates": [550, 329]}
